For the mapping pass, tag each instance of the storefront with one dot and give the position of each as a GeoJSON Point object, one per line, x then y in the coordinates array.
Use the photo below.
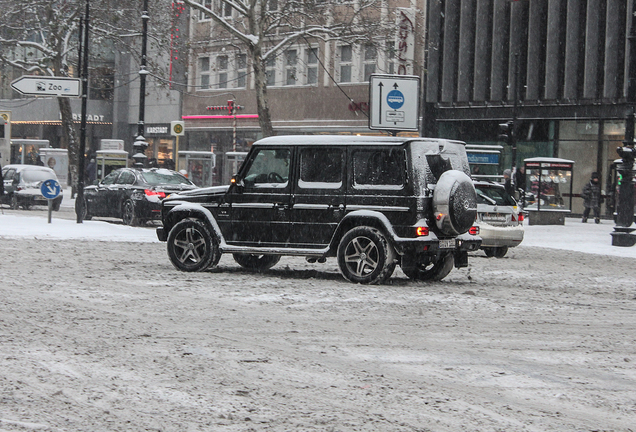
{"type": "Point", "coordinates": [160, 150]}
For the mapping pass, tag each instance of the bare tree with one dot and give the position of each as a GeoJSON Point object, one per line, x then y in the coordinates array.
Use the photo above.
{"type": "Point", "coordinates": [41, 37]}
{"type": "Point", "coordinates": [267, 27]}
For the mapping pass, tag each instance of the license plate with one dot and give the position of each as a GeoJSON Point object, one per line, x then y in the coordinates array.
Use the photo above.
{"type": "Point", "coordinates": [447, 244]}
{"type": "Point", "coordinates": [494, 217]}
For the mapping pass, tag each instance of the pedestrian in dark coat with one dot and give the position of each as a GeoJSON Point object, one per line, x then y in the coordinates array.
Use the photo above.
{"type": "Point", "coordinates": [592, 198]}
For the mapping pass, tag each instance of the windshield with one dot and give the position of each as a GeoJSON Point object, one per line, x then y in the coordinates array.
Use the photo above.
{"type": "Point", "coordinates": [163, 177]}
{"type": "Point", "coordinates": [34, 176]}
{"type": "Point", "coordinates": [498, 195]}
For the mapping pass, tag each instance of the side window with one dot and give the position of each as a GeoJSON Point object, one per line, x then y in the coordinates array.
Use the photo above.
{"type": "Point", "coordinates": [110, 178]}
{"type": "Point", "coordinates": [321, 168]}
{"type": "Point", "coordinates": [269, 169]}
{"type": "Point", "coordinates": [126, 177]}
{"type": "Point", "coordinates": [378, 169]}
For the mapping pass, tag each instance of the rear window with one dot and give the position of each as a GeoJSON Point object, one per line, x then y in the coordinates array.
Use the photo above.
{"type": "Point", "coordinates": [164, 176]}
{"type": "Point", "coordinates": [498, 195]}
{"type": "Point", "coordinates": [321, 168]}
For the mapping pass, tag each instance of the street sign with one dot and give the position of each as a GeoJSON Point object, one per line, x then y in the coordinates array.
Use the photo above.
{"type": "Point", "coordinates": [47, 86]}
{"type": "Point", "coordinates": [394, 102]}
{"type": "Point", "coordinates": [50, 189]}
{"type": "Point", "coordinates": [177, 128]}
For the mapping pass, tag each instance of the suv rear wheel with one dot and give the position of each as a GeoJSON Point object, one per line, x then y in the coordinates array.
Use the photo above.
{"type": "Point", "coordinates": [365, 256]}
{"type": "Point", "coordinates": [429, 271]}
{"type": "Point", "coordinates": [192, 247]}
{"type": "Point", "coordinates": [255, 262]}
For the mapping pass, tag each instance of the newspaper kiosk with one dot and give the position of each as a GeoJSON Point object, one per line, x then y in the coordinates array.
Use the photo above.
{"type": "Point", "coordinates": [109, 160]}
{"type": "Point", "coordinates": [199, 166]}
{"type": "Point", "coordinates": [548, 183]}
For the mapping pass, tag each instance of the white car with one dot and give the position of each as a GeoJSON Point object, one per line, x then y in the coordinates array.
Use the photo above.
{"type": "Point", "coordinates": [22, 186]}
{"type": "Point", "coordinates": [499, 219]}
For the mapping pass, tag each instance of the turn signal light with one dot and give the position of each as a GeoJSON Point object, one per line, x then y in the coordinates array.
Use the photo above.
{"type": "Point", "coordinates": [421, 231]}
{"type": "Point", "coordinates": [474, 230]}
{"type": "Point", "coordinates": [440, 216]}
{"type": "Point", "coordinates": [149, 192]}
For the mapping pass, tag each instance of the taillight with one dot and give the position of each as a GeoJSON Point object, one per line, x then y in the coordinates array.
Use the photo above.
{"type": "Point", "coordinates": [474, 230]}
{"type": "Point", "coordinates": [150, 192]}
{"type": "Point", "coordinates": [520, 218]}
{"type": "Point", "coordinates": [421, 231]}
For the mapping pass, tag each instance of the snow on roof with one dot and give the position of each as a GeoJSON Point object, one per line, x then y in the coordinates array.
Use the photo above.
{"type": "Point", "coordinates": [344, 140]}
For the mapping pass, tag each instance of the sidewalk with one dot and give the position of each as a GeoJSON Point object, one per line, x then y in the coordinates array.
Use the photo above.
{"type": "Point", "coordinates": [573, 236]}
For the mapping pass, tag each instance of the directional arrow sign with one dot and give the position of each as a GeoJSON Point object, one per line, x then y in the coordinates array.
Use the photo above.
{"type": "Point", "coordinates": [50, 189]}
{"type": "Point", "coordinates": [394, 102]}
{"type": "Point", "coordinates": [47, 86]}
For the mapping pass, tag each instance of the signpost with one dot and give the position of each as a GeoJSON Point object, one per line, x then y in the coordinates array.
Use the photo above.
{"type": "Point", "coordinates": [177, 129]}
{"type": "Point", "coordinates": [47, 86]}
{"type": "Point", "coordinates": [50, 189]}
{"type": "Point", "coordinates": [394, 102]}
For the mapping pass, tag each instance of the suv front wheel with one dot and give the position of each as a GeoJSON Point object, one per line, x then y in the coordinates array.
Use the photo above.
{"type": "Point", "coordinates": [192, 247]}
{"type": "Point", "coordinates": [365, 256]}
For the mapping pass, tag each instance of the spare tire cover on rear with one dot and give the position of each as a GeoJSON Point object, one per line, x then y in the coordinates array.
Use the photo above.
{"type": "Point", "coordinates": [454, 203]}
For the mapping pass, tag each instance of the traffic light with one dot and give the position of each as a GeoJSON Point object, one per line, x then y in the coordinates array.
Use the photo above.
{"type": "Point", "coordinates": [507, 133]}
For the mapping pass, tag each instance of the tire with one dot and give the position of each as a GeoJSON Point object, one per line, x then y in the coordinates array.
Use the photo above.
{"type": "Point", "coordinates": [257, 263]}
{"type": "Point", "coordinates": [128, 213]}
{"type": "Point", "coordinates": [500, 252]}
{"type": "Point", "coordinates": [454, 203]}
{"type": "Point", "coordinates": [14, 202]}
{"type": "Point", "coordinates": [432, 271]}
{"type": "Point", "coordinates": [56, 206]}
{"type": "Point", "coordinates": [192, 247]}
{"type": "Point", "coordinates": [365, 256]}
{"type": "Point", "coordinates": [490, 251]}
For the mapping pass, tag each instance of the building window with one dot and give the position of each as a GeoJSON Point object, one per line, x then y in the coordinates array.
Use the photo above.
{"type": "Point", "coordinates": [202, 15]}
{"type": "Point", "coordinates": [241, 70]}
{"type": "Point", "coordinates": [311, 60]}
{"type": "Point", "coordinates": [270, 71]}
{"type": "Point", "coordinates": [370, 60]}
{"type": "Point", "coordinates": [226, 9]}
{"type": "Point", "coordinates": [290, 66]}
{"type": "Point", "coordinates": [346, 63]}
{"type": "Point", "coordinates": [221, 67]}
{"type": "Point", "coordinates": [204, 72]}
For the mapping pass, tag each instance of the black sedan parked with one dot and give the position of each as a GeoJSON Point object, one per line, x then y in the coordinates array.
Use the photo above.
{"type": "Point", "coordinates": [133, 194]}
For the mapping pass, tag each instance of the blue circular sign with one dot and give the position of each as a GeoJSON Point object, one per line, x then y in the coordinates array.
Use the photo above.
{"type": "Point", "coordinates": [395, 99]}
{"type": "Point", "coordinates": [50, 189]}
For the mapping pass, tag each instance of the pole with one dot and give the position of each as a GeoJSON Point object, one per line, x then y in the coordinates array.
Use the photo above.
{"type": "Point", "coordinates": [140, 145]}
{"type": "Point", "coordinates": [513, 132]}
{"type": "Point", "coordinates": [623, 233]}
{"type": "Point", "coordinates": [82, 145]}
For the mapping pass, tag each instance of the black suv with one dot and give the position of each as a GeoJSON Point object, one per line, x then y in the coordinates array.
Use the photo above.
{"type": "Point", "coordinates": [372, 202]}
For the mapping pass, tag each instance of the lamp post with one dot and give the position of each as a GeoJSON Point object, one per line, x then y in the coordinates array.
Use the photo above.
{"type": "Point", "coordinates": [140, 145]}
{"type": "Point", "coordinates": [83, 62]}
{"type": "Point", "coordinates": [623, 232]}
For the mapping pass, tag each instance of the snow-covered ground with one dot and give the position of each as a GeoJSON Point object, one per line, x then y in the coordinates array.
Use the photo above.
{"type": "Point", "coordinates": [98, 332]}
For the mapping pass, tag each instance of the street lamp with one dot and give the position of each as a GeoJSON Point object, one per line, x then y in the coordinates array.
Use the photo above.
{"type": "Point", "coordinates": [140, 145]}
{"type": "Point", "coordinates": [623, 232]}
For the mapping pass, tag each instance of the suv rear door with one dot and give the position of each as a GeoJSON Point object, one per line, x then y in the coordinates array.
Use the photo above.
{"type": "Point", "coordinates": [318, 195]}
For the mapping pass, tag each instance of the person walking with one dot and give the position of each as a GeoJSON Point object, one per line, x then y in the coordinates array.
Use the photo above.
{"type": "Point", "coordinates": [592, 198]}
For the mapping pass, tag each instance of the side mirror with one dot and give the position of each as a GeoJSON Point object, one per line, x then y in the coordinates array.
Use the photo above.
{"type": "Point", "coordinates": [237, 182]}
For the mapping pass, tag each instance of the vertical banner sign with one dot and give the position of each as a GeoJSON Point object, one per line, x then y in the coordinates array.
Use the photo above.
{"type": "Point", "coordinates": [405, 40]}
